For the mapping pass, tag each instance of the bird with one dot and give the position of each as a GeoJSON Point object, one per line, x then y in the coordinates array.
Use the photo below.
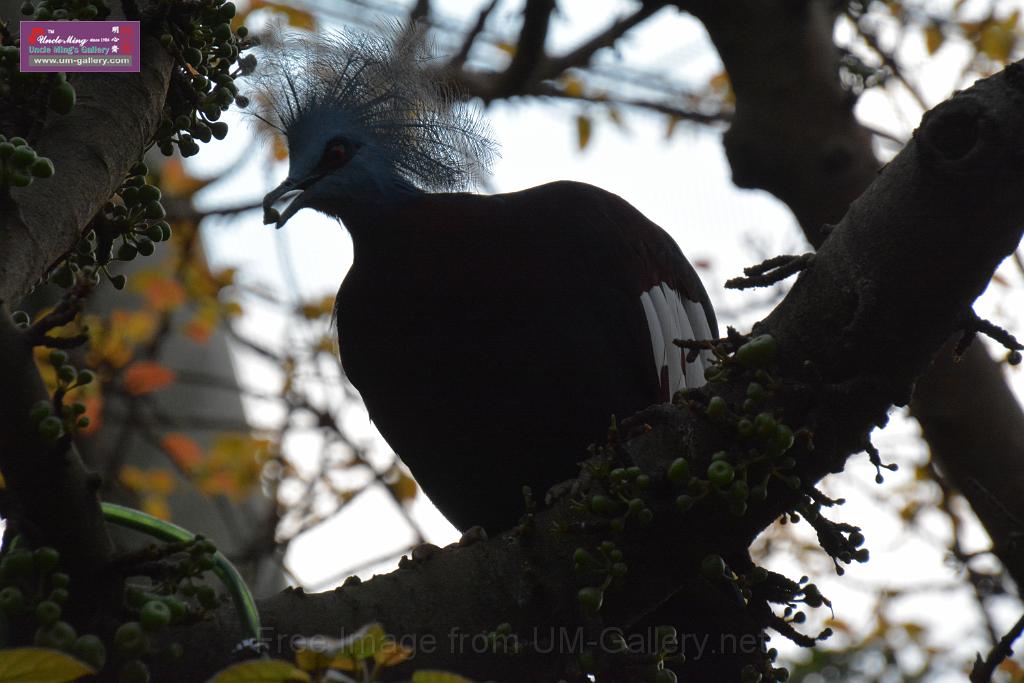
{"type": "Point", "coordinates": [491, 337]}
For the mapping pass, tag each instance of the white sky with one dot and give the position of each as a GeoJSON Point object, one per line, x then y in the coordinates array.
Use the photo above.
{"type": "Point", "coordinates": [684, 185]}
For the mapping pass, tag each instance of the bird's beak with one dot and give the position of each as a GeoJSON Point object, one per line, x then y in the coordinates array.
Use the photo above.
{"type": "Point", "coordinates": [289, 195]}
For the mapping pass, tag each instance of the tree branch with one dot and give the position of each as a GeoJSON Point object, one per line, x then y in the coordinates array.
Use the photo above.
{"type": "Point", "coordinates": [92, 149]}
{"type": "Point", "coordinates": [530, 48]}
{"type": "Point", "coordinates": [884, 293]}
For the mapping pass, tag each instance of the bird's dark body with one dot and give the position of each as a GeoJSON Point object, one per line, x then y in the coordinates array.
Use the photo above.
{"type": "Point", "coordinates": [492, 337]}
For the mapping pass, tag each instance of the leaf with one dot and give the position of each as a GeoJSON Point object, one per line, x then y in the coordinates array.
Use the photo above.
{"type": "Point", "coordinates": [156, 506]}
{"type": "Point", "coordinates": [673, 121]}
{"type": "Point", "coordinates": [309, 659]}
{"type": "Point", "coordinates": [185, 451]}
{"type": "Point", "coordinates": [176, 182]}
{"type": "Point", "coordinates": [616, 116]}
{"type": "Point", "coordinates": [996, 43]}
{"type": "Point", "coordinates": [233, 465]}
{"type": "Point", "coordinates": [162, 293]}
{"type": "Point", "coordinates": [312, 310]}
{"type": "Point", "coordinates": [508, 48]}
{"type": "Point", "coordinates": [40, 665]}
{"type": "Point", "coordinates": [392, 654]}
{"type": "Point", "coordinates": [584, 128]}
{"type": "Point", "coordinates": [144, 377]}
{"type": "Point", "coordinates": [262, 671]}
{"type": "Point", "coordinates": [366, 642]}
{"type": "Point", "coordinates": [279, 147]}
{"type": "Point", "coordinates": [572, 86]}
{"type": "Point", "coordinates": [198, 330]}
{"type": "Point", "coordinates": [428, 676]}
{"type": "Point", "coordinates": [933, 38]}
{"type": "Point", "coordinates": [403, 488]}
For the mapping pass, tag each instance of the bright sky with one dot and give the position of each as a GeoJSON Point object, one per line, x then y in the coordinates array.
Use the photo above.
{"type": "Point", "coordinates": [683, 185]}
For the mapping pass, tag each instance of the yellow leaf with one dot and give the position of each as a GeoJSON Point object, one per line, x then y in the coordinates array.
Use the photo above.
{"type": "Point", "coordinates": [233, 465]}
{"type": "Point", "coordinates": [673, 121]}
{"type": "Point", "coordinates": [261, 671]}
{"type": "Point", "coordinates": [404, 488]}
{"type": "Point", "coordinates": [317, 309]}
{"type": "Point", "coordinates": [584, 128]}
{"type": "Point", "coordinates": [392, 654]}
{"type": "Point", "coordinates": [161, 482]}
{"type": "Point", "coordinates": [132, 477]}
{"type": "Point", "coordinates": [144, 377]}
{"type": "Point", "coordinates": [720, 81]}
{"type": "Point", "coordinates": [428, 676]}
{"type": "Point", "coordinates": [616, 117]}
{"type": "Point", "coordinates": [327, 344]}
{"type": "Point", "coordinates": [507, 48]}
{"type": "Point", "coordinates": [39, 665]}
{"type": "Point", "coordinates": [997, 42]}
{"type": "Point", "coordinates": [572, 87]}
{"type": "Point", "coordinates": [156, 506]}
{"type": "Point", "coordinates": [933, 38]}
{"type": "Point", "coordinates": [1010, 22]}
{"type": "Point", "coordinates": [185, 451]}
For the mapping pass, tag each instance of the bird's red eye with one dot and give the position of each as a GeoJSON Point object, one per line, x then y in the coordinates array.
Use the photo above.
{"type": "Point", "coordinates": [336, 155]}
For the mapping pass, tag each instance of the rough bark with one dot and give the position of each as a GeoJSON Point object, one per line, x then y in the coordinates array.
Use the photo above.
{"type": "Point", "coordinates": [92, 149]}
{"type": "Point", "coordinates": [794, 134]}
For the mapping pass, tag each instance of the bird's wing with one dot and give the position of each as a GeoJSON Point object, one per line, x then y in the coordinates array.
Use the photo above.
{"type": "Point", "coordinates": [670, 292]}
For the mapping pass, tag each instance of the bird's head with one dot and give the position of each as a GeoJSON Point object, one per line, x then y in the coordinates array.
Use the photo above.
{"type": "Point", "coordinates": [366, 121]}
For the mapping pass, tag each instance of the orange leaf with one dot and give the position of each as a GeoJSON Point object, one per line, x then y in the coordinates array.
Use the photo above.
{"type": "Point", "coordinates": [279, 147]}
{"type": "Point", "coordinates": [198, 330]}
{"type": "Point", "coordinates": [175, 181]}
{"type": "Point", "coordinates": [144, 377]}
{"type": "Point", "coordinates": [186, 452]}
{"type": "Point", "coordinates": [163, 293]}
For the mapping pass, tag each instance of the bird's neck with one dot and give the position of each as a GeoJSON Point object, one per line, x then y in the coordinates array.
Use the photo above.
{"type": "Point", "coordinates": [376, 221]}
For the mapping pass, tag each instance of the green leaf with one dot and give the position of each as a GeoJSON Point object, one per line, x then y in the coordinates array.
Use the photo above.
{"type": "Point", "coordinates": [438, 677]}
{"type": "Point", "coordinates": [40, 665]}
{"type": "Point", "coordinates": [261, 671]}
{"type": "Point", "coordinates": [365, 642]}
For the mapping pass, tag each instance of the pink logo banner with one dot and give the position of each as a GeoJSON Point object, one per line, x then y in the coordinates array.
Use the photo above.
{"type": "Point", "coordinates": [79, 46]}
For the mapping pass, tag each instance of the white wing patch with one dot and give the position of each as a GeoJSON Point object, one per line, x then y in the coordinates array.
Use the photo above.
{"type": "Point", "coordinates": [669, 317]}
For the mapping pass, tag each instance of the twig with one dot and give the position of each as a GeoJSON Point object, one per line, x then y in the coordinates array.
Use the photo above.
{"type": "Point", "coordinates": [983, 669]}
{"type": "Point", "coordinates": [582, 54]}
{"type": "Point", "coordinates": [887, 60]}
{"type": "Point", "coordinates": [546, 89]}
{"type": "Point", "coordinates": [462, 55]}
{"type": "Point", "coordinates": [771, 271]}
